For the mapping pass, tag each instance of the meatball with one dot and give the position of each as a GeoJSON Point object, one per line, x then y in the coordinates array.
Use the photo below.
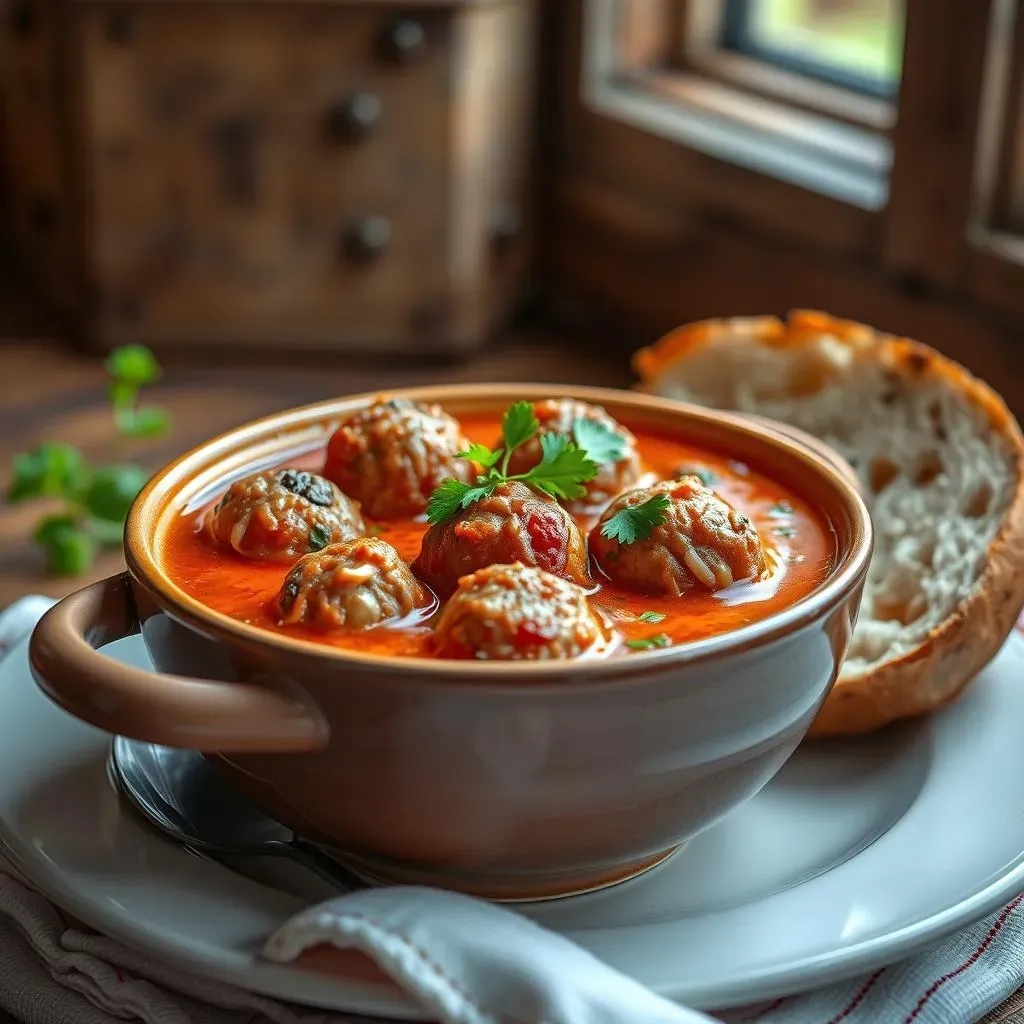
{"type": "Point", "coordinates": [282, 514]}
{"type": "Point", "coordinates": [393, 454]}
{"type": "Point", "coordinates": [512, 524]}
{"type": "Point", "coordinates": [354, 585]}
{"type": "Point", "coordinates": [517, 613]}
{"type": "Point", "coordinates": [559, 416]}
{"type": "Point", "coordinates": [703, 542]}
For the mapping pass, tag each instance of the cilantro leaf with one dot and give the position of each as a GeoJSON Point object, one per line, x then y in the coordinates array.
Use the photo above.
{"type": "Point", "coordinates": [454, 495]}
{"type": "Point", "coordinates": [648, 643]}
{"type": "Point", "coordinates": [652, 617]}
{"type": "Point", "coordinates": [518, 425]}
{"type": "Point", "coordinates": [563, 470]}
{"type": "Point", "coordinates": [637, 522]}
{"type": "Point", "coordinates": [319, 537]}
{"type": "Point", "coordinates": [133, 364]}
{"type": "Point", "coordinates": [482, 455]}
{"type": "Point", "coordinates": [599, 441]}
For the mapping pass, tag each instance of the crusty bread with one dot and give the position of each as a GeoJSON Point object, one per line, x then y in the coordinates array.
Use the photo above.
{"type": "Point", "coordinates": [941, 463]}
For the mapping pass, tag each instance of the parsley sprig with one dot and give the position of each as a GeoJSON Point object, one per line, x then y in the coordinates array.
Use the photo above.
{"type": "Point", "coordinates": [562, 472]}
{"type": "Point", "coordinates": [93, 500]}
{"type": "Point", "coordinates": [637, 522]}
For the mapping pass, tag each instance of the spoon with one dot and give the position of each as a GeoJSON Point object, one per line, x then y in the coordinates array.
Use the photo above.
{"type": "Point", "coordinates": [185, 797]}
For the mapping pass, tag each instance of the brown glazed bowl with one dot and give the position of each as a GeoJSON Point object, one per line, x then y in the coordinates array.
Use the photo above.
{"type": "Point", "coordinates": [513, 780]}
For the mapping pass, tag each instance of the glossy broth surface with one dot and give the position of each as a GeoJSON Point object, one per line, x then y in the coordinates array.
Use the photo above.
{"type": "Point", "coordinates": [798, 542]}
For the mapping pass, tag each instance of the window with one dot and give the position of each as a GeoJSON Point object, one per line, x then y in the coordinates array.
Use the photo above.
{"type": "Point", "coordinates": [865, 156]}
{"type": "Point", "coordinates": [853, 44]}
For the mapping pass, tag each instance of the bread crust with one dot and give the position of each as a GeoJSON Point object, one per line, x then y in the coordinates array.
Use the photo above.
{"type": "Point", "coordinates": [937, 670]}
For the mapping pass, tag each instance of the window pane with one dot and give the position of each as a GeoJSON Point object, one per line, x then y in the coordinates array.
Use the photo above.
{"type": "Point", "coordinates": [858, 43]}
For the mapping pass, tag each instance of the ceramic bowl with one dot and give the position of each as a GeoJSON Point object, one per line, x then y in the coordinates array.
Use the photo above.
{"type": "Point", "coordinates": [513, 780]}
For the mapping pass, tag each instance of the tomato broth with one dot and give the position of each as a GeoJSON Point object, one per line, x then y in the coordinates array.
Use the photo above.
{"type": "Point", "coordinates": [799, 545]}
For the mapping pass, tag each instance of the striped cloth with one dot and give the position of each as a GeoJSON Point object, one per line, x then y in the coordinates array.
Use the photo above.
{"type": "Point", "coordinates": [54, 970]}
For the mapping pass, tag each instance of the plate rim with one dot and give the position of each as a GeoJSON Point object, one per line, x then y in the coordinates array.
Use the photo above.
{"type": "Point", "coordinates": [354, 996]}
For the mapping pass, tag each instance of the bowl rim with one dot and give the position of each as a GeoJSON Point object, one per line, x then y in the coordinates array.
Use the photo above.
{"type": "Point", "coordinates": [147, 513]}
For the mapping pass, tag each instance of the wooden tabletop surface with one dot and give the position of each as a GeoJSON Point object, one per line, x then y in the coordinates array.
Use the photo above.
{"type": "Point", "coordinates": [51, 392]}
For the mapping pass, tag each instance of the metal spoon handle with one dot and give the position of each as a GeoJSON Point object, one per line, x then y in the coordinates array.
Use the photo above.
{"type": "Point", "coordinates": [326, 867]}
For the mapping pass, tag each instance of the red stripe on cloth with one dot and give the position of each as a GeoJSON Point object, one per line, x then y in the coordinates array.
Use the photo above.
{"type": "Point", "coordinates": [765, 1010]}
{"type": "Point", "coordinates": [858, 998]}
{"type": "Point", "coordinates": [967, 964]}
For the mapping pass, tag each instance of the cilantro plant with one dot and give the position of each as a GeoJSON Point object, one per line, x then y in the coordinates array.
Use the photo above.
{"type": "Point", "coordinates": [562, 472]}
{"type": "Point", "coordinates": [132, 368]}
{"type": "Point", "coordinates": [95, 499]}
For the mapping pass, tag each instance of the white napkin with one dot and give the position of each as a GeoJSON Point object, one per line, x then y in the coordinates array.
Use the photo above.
{"type": "Point", "coordinates": [466, 961]}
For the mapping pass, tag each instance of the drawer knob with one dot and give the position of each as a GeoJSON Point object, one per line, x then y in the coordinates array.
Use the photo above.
{"type": "Point", "coordinates": [506, 224]}
{"type": "Point", "coordinates": [23, 20]}
{"type": "Point", "coordinates": [404, 40]}
{"type": "Point", "coordinates": [368, 239]}
{"type": "Point", "coordinates": [355, 117]}
{"type": "Point", "coordinates": [122, 27]}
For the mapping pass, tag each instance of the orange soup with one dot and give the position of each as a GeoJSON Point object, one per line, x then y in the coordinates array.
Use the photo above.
{"type": "Point", "coordinates": [799, 547]}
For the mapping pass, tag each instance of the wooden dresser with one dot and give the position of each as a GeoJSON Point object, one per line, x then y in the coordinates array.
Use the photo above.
{"type": "Point", "coordinates": [297, 174]}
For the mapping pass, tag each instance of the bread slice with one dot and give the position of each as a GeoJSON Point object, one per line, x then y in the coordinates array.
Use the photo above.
{"type": "Point", "coordinates": [941, 463]}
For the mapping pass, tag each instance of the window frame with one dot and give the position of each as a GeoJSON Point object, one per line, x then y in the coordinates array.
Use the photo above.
{"type": "Point", "coordinates": [618, 151]}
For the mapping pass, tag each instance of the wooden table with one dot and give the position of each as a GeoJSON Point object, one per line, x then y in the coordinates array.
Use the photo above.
{"type": "Point", "coordinates": [50, 392]}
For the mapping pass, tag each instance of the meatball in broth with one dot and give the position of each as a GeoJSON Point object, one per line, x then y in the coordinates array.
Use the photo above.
{"type": "Point", "coordinates": [702, 542]}
{"type": "Point", "coordinates": [391, 455]}
{"type": "Point", "coordinates": [517, 613]}
{"type": "Point", "coordinates": [512, 524]}
{"type": "Point", "coordinates": [615, 474]}
{"type": "Point", "coordinates": [283, 514]}
{"type": "Point", "coordinates": [355, 585]}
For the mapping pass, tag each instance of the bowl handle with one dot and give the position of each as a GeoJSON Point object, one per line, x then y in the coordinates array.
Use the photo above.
{"type": "Point", "coordinates": [192, 714]}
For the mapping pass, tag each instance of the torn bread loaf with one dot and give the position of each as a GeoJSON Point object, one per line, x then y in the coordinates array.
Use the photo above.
{"type": "Point", "coordinates": [941, 463]}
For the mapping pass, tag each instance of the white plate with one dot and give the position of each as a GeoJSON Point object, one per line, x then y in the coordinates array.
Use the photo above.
{"type": "Point", "coordinates": [857, 855]}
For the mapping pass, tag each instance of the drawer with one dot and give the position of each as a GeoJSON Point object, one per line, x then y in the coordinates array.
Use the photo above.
{"type": "Point", "coordinates": [250, 165]}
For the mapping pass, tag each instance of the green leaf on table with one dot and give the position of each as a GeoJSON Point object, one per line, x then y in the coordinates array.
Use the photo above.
{"type": "Point", "coordinates": [112, 490]}
{"type": "Point", "coordinates": [70, 551]}
{"type": "Point", "coordinates": [148, 421]}
{"type": "Point", "coordinates": [133, 364]}
{"type": "Point", "coordinates": [50, 471]}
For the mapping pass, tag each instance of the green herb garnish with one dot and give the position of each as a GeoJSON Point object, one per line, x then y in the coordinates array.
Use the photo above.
{"type": "Point", "coordinates": [653, 617]}
{"type": "Point", "coordinates": [707, 478]}
{"type": "Point", "coordinates": [376, 530]}
{"type": "Point", "coordinates": [319, 537]}
{"type": "Point", "coordinates": [562, 471]}
{"type": "Point", "coordinates": [785, 531]}
{"type": "Point", "coordinates": [600, 442]}
{"type": "Point", "coordinates": [781, 509]}
{"type": "Point", "coordinates": [637, 522]}
{"type": "Point", "coordinates": [648, 643]}
{"type": "Point", "coordinates": [132, 368]}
